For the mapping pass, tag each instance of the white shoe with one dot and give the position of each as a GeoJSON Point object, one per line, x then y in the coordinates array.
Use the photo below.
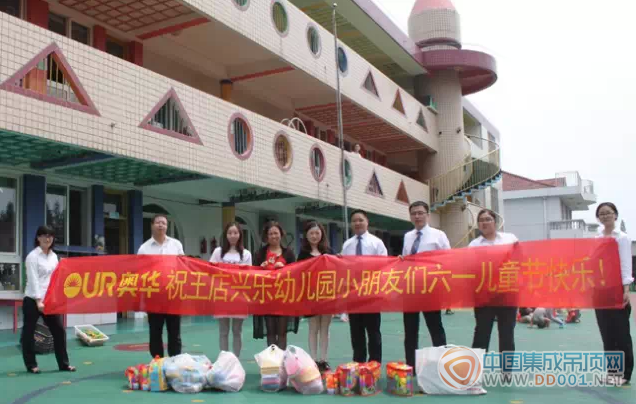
{"type": "Point", "coordinates": [344, 318]}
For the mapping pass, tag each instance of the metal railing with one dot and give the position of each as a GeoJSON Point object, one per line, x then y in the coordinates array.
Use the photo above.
{"type": "Point", "coordinates": [465, 176]}
{"type": "Point", "coordinates": [573, 179]}
{"type": "Point", "coordinates": [475, 225]}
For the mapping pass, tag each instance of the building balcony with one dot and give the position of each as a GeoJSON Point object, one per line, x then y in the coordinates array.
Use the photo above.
{"type": "Point", "coordinates": [75, 111]}
{"type": "Point", "coordinates": [572, 229]}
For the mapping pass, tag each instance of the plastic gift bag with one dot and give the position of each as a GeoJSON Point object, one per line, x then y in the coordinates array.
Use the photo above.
{"type": "Point", "coordinates": [186, 373]}
{"type": "Point", "coordinates": [227, 374]}
{"type": "Point", "coordinates": [436, 374]}
{"type": "Point", "coordinates": [158, 381]}
{"type": "Point", "coordinates": [302, 371]}
{"type": "Point", "coordinates": [273, 375]}
{"type": "Point", "coordinates": [399, 379]}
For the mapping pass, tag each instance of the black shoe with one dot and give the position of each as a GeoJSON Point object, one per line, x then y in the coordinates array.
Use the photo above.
{"type": "Point", "coordinates": [326, 366]}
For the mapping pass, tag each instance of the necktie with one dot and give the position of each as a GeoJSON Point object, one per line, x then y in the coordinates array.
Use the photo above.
{"type": "Point", "coordinates": [416, 243]}
{"type": "Point", "coordinates": [359, 246]}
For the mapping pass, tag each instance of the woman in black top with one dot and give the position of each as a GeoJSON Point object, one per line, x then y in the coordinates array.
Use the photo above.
{"type": "Point", "coordinates": [315, 244]}
{"type": "Point", "coordinates": [274, 256]}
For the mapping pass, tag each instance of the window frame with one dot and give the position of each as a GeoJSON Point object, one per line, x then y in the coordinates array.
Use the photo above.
{"type": "Point", "coordinates": [311, 26]}
{"type": "Point", "coordinates": [21, 10]}
{"type": "Point", "coordinates": [250, 136]}
{"type": "Point", "coordinates": [18, 218]}
{"type": "Point", "coordinates": [241, 7]}
{"type": "Point", "coordinates": [66, 215]}
{"type": "Point", "coordinates": [346, 61]}
{"type": "Point", "coordinates": [285, 32]}
{"type": "Point", "coordinates": [321, 176]}
{"type": "Point", "coordinates": [290, 152]}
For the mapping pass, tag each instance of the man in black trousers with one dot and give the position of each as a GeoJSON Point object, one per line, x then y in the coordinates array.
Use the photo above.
{"type": "Point", "coordinates": [422, 238]}
{"type": "Point", "coordinates": [361, 325]}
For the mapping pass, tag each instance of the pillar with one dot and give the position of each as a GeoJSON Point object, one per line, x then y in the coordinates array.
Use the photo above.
{"type": "Point", "coordinates": [37, 12]}
{"type": "Point", "coordinates": [226, 90]}
{"type": "Point", "coordinates": [99, 38]}
{"type": "Point", "coordinates": [333, 236]}
{"type": "Point", "coordinates": [309, 125]}
{"type": "Point", "coordinates": [228, 213]}
{"type": "Point", "coordinates": [331, 137]}
{"type": "Point", "coordinates": [299, 234]}
{"type": "Point", "coordinates": [136, 53]}
{"type": "Point", "coordinates": [97, 213]}
{"type": "Point", "coordinates": [33, 209]}
{"type": "Point", "coordinates": [135, 221]}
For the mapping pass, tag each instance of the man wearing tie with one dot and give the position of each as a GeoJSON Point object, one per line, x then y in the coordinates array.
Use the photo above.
{"type": "Point", "coordinates": [422, 238]}
{"type": "Point", "coordinates": [361, 325]}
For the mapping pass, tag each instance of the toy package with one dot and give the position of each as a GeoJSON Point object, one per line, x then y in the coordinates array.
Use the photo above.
{"type": "Point", "coordinates": [227, 374]}
{"type": "Point", "coordinates": [331, 382]}
{"type": "Point", "coordinates": [273, 375]}
{"type": "Point", "coordinates": [348, 378]}
{"type": "Point", "coordinates": [399, 379]}
{"type": "Point", "coordinates": [142, 377]}
{"type": "Point", "coordinates": [369, 378]}
{"type": "Point", "coordinates": [158, 381]}
{"type": "Point", "coordinates": [186, 373]}
{"type": "Point", "coordinates": [132, 376]}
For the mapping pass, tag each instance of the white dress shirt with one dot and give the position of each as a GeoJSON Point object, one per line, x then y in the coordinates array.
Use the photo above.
{"type": "Point", "coordinates": [39, 268]}
{"type": "Point", "coordinates": [170, 246]}
{"type": "Point", "coordinates": [431, 240]}
{"type": "Point", "coordinates": [371, 245]}
{"type": "Point", "coordinates": [624, 253]}
{"type": "Point", "coordinates": [231, 257]}
{"type": "Point", "coordinates": [500, 239]}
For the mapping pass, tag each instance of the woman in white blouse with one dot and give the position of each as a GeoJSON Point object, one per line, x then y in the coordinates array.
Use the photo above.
{"type": "Point", "coordinates": [614, 323]}
{"type": "Point", "coordinates": [231, 252]}
{"type": "Point", "coordinates": [485, 316]}
{"type": "Point", "coordinates": [40, 265]}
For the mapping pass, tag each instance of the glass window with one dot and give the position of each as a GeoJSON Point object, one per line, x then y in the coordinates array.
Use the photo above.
{"type": "Point", "coordinates": [57, 24]}
{"type": "Point", "coordinates": [241, 137]}
{"type": "Point", "coordinates": [80, 33]}
{"type": "Point", "coordinates": [313, 38]}
{"type": "Point", "coordinates": [8, 215]}
{"type": "Point", "coordinates": [280, 17]}
{"type": "Point", "coordinates": [11, 7]}
{"type": "Point", "coordinates": [115, 48]}
{"type": "Point", "coordinates": [343, 64]}
{"type": "Point", "coordinates": [56, 211]}
{"type": "Point", "coordinates": [78, 220]}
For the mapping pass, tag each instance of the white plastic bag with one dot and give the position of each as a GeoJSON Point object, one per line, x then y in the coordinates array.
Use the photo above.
{"type": "Point", "coordinates": [302, 371]}
{"type": "Point", "coordinates": [450, 370]}
{"type": "Point", "coordinates": [273, 375]}
{"type": "Point", "coordinates": [227, 374]}
{"type": "Point", "coordinates": [186, 373]}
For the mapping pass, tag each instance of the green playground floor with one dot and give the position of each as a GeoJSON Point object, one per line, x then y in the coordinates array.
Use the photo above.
{"type": "Point", "coordinates": [100, 375]}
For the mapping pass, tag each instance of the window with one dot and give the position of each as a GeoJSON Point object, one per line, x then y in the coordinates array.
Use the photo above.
{"type": "Point", "coordinates": [169, 117]}
{"type": "Point", "coordinates": [80, 33]}
{"type": "Point", "coordinates": [240, 137]}
{"type": "Point", "coordinates": [11, 7]}
{"type": "Point", "coordinates": [283, 152]}
{"type": "Point", "coordinates": [348, 174]}
{"type": "Point", "coordinates": [397, 104]}
{"type": "Point", "coordinates": [8, 215]}
{"type": "Point", "coordinates": [56, 211]}
{"type": "Point", "coordinates": [318, 164]}
{"type": "Point", "coordinates": [374, 186]}
{"type": "Point", "coordinates": [343, 64]}
{"type": "Point", "coordinates": [402, 195]}
{"type": "Point", "coordinates": [323, 135]}
{"type": "Point", "coordinates": [242, 4]}
{"type": "Point", "coordinates": [347, 145]}
{"type": "Point", "coordinates": [369, 85]}
{"type": "Point", "coordinates": [115, 48]}
{"type": "Point", "coordinates": [421, 121]}
{"type": "Point", "coordinates": [279, 14]}
{"type": "Point", "coordinates": [79, 232]}
{"type": "Point", "coordinates": [313, 39]}
{"type": "Point", "coordinates": [248, 239]}
{"type": "Point", "coordinates": [57, 24]}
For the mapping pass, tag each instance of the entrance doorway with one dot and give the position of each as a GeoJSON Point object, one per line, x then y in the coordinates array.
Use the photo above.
{"type": "Point", "coordinates": [116, 222]}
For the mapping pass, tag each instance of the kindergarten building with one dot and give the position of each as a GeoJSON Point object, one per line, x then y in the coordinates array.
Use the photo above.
{"type": "Point", "coordinates": [210, 111]}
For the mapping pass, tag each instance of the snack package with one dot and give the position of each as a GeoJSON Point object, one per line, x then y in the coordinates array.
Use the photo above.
{"type": "Point", "coordinates": [186, 373]}
{"type": "Point", "coordinates": [132, 376]}
{"type": "Point", "coordinates": [399, 379]}
{"type": "Point", "coordinates": [143, 377]}
{"type": "Point", "coordinates": [369, 378]}
{"type": "Point", "coordinates": [273, 374]}
{"type": "Point", "coordinates": [302, 371]}
{"type": "Point", "coordinates": [348, 378]}
{"type": "Point", "coordinates": [331, 382]}
{"type": "Point", "coordinates": [158, 381]}
{"type": "Point", "coordinates": [227, 374]}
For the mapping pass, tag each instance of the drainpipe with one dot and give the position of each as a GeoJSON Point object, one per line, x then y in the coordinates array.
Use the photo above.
{"type": "Point", "coordinates": [545, 218]}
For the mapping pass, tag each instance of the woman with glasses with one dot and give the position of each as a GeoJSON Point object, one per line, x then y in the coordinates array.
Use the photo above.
{"type": "Point", "coordinates": [506, 317]}
{"type": "Point", "coordinates": [614, 323]}
{"type": "Point", "coordinates": [40, 265]}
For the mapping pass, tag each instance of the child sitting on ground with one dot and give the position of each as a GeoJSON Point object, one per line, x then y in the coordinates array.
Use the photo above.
{"type": "Point", "coordinates": [525, 315]}
{"type": "Point", "coordinates": [574, 316]}
{"type": "Point", "coordinates": [542, 317]}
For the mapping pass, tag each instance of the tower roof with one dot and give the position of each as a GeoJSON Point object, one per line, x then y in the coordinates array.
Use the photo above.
{"type": "Point", "coordinates": [424, 5]}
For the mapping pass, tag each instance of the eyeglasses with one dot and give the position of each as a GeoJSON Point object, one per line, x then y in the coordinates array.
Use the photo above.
{"type": "Point", "coordinates": [605, 214]}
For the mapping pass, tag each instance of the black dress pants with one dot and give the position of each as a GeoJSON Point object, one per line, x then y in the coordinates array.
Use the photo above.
{"type": "Point", "coordinates": [614, 327]}
{"type": "Point", "coordinates": [173, 324]}
{"type": "Point", "coordinates": [361, 326]}
{"type": "Point", "coordinates": [506, 321]}
{"type": "Point", "coordinates": [56, 326]}
{"type": "Point", "coordinates": [412, 330]}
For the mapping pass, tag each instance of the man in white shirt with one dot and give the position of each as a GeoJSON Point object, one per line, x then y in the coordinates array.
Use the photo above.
{"type": "Point", "coordinates": [361, 325]}
{"type": "Point", "coordinates": [161, 244]}
{"type": "Point", "coordinates": [422, 238]}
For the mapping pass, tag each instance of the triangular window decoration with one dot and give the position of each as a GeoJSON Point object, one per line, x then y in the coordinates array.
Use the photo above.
{"type": "Point", "coordinates": [169, 118]}
{"type": "Point", "coordinates": [374, 186]}
{"type": "Point", "coordinates": [402, 196]}
{"type": "Point", "coordinates": [369, 85]}
{"type": "Point", "coordinates": [397, 104]}
{"type": "Point", "coordinates": [421, 121]}
{"type": "Point", "coordinates": [49, 77]}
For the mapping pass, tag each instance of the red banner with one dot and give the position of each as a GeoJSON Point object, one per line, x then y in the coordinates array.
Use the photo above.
{"type": "Point", "coordinates": [581, 273]}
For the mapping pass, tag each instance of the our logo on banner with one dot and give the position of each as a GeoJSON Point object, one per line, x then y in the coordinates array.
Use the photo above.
{"type": "Point", "coordinates": [72, 285]}
{"type": "Point", "coordinates": [460, 368]}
